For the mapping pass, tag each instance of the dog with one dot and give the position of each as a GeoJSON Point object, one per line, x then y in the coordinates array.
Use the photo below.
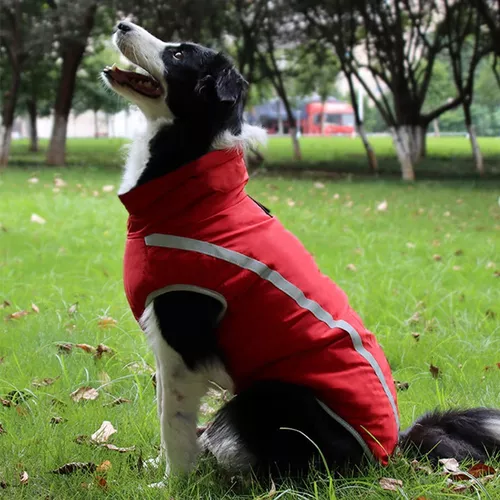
{"type": "Point", "coordinates": [226, 295]}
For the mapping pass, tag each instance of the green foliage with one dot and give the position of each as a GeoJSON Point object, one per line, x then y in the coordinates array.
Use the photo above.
{"type": "Point", "coordinates": [316, 70]}
{"type": "Point", "coordinates": [91, 93]}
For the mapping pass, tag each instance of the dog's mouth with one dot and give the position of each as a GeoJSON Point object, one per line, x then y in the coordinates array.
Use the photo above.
{"type": "Point", "coordinates": [141, 83]}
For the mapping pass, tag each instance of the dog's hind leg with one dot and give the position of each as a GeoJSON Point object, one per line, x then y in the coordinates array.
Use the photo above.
{"type": "Point", "coordinates": [278, 427]}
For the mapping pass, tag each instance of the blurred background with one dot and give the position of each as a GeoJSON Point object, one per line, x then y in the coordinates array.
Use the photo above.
{"type": "Point", "coordinates": [407, 84]}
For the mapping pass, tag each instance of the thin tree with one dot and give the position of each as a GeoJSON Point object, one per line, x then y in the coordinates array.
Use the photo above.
{"type": "Point", "coordinates": [466, 46]}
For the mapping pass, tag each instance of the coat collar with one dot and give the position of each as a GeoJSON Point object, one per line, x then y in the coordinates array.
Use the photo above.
{"type": "Point", "coordinates": [203, 182]}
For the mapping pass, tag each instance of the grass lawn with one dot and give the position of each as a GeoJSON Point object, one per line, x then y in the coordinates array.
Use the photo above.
{"type": "Point", "coordinates": [447, 156]}
{"type": "Point", "coordinates": [427, 265]}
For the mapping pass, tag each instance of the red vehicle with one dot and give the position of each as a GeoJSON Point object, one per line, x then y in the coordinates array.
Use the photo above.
{"type": "Point", "coordinates": [339, 118]}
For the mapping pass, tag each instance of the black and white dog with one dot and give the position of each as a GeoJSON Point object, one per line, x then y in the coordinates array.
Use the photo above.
{"type": "Point", "coordinates": [193, 99]}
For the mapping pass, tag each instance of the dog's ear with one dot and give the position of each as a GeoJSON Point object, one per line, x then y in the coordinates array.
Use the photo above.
{"type": "Point", "coordinates": [230, 85]}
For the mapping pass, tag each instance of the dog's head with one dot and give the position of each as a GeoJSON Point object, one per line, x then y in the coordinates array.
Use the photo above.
{"type": "Point", "coordinates": [180, 80]}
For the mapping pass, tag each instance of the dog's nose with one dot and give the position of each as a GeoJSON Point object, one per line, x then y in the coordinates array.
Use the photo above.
{"type": "Point", "coordinates": [124, 27]}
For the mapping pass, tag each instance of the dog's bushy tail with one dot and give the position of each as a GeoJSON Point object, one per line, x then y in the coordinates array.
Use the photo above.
{"type": "Point", "coordinates": [461, 434]}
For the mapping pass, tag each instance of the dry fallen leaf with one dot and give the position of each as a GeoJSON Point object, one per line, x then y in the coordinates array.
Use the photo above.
{"type": "Point", "coordinates": [101, 482]}
{"type": "Point", "coordinates": [437, 257]}
{"type": "Point", "coordinates": [108, 188]}
{"type": "Point", "coordinates": [104, 432]}
{"type": "Point", "coordinates": [21, 411]}
{"type": "Point", "coordinates": [43, 382]}
{"type": "Point", "coordinates": [118, 401]}
{"type": "Point", "coordinates": [73, 308]}
{"type": "Point", "coordinates": [23, 477]}
{"type": "Point", "coordinates": [16, 315]}
{"type": "Point", "coordinates": [415, 318]}
{"type": "Point", "coordinates": [5, 402]}
{"type": "Point", "coordinates": [33, 180]}
{"type": "Point", "coordinates": [37, 219]}
{"type": "Point", "coordinates": [84, 393]}
{"type": "Point", "coordinates": [409, 244]}
{"type": "Point", "coordinates": [65, 347]}
{"type": "Point", "coordinates": [5, 304]}
{"type": "Point", "coordinates": [390, 484]}
{"type": "Point", "coordinates": [75, 467]}
{"type": "Point", "coordinates": [86, 348]}
{"type": "Point", "coordinates": [401, 386]}
{"type": "Point", "coordinates": [480, 470]}
{"type": "Point", "coordinates": [112, 447]}
{"type": "Point", "coordinates": [104, 467]}
{"type": "Point", "coordinates": [416, 465]}
{"type": "Point", "coordinates": [103, 349]}
{"type": "Point", "coordinates": [106, 322]}
{"type": "Point", "coordinates": [2, 430]}
{"type": "Point", "coordinates": [435, 372]}
{"type": "Point", "coordinates": [351, 267]}
{"type": "Point", "coordinates": [382, 207]}
{"type": "Point", "coordinates": [449, 464]}
{"type": "Point", "coordinates": [35, 308]}
{"type": "Point", "coordinates": [290, 203]}
{"type": "Point", "coordinates": [319, 185]}
{"type": "Point", "coordinates": [58, 182]}
{"type": "Point", "coordinates": [415, 335]}
{"type": "Point", "coordinates": [57, 420]}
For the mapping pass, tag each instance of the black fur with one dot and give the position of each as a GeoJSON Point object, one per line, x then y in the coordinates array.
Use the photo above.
{"type": "Point", "coordinates": [458, 434]}
{"type": "Point", "coordinates": [206, 96]}
{"type": "Point", "coordinates": [255, 420]}
{"type": "Point", "coordinates": [187, 321]}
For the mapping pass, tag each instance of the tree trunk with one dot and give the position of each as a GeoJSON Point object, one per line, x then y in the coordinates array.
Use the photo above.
{"type": "Point", "coordinates": [71, 57]}
{"type": "Point", "coordinates": [297, 153]}
{"type": "Point", "coordinates": [8, 116]}
{"type": "Point", "coordinates": [280, 119]}
{"type": "Point", "coordinates": [322, 118]}
{"type": "Point", "coordinates": [5, 145]}
{"type": "Point", "coordinates": [408, 149]}
{"type": "Point", "coordinates": [96, 124]}
{"type": "Point", "coordinates": [435, 124]}
{"type": "Point", "coordinates": [56, 154]}
{"type": "Point", "coordinates": [33, 113]}
{"type": "Point", "coordinates": [370, 153]}
{"type": "Point", "coordinates": [476, 150]}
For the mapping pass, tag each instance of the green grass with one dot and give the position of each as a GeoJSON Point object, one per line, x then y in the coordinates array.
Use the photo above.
{"type": "Point", "coordinates": [447, 156]}
{"type": "Point", "coordinates": [76, 257]}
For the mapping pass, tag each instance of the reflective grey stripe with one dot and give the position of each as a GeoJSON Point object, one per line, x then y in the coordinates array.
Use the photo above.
{"type": "Point", "coordinates": [348, 428]}
{"type": "Point", "coordinates": [266, 273]}
{"type": "Point", "coordinates": [190, 288]}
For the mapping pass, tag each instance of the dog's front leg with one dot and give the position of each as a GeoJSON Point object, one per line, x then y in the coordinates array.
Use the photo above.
{"type": "Point", "coordinates": [179, 391]}
{"type": "Point", "coordinates": [182, 390]}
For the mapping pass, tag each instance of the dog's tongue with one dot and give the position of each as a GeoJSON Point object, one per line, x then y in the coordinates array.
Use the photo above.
{"type": "Point", "coordinates": [139, 82]}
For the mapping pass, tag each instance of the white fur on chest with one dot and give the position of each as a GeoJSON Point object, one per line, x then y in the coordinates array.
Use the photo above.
{"type": "Point", "coordinates": [138, 155]}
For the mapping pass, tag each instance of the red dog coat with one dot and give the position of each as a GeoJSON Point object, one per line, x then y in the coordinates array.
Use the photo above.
{"type": "Point", "coordinates": [197, 229]}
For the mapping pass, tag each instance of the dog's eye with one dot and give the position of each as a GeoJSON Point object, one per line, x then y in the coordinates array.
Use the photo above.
{"type": "Point", "coordinates": [179, 56]}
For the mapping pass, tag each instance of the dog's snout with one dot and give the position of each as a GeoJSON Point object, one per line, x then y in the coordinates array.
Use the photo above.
{"type": "Point", "coordinates": [124, 27]}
